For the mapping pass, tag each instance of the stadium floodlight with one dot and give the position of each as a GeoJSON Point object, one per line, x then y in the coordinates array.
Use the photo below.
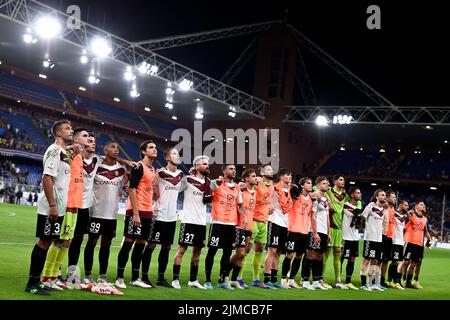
{"type": "Point", "coordinates": [18, 101]}
{"type": "Point", "coordinates": [198, 115]}
{"type": "Point", "coordinates": [342, 119]}
{"type": "Point", "coordinates": [428, 127]}
{"type": "Point", "coordinates": [134, 93]}
{"type": "Point", "coordinates": [170, 91]}
{"type": "Point", "coordinates": [352, 182]}
{"type": "Point", "coordinates": [321, 121]}
{"type": "Point", "coordinates": [103, 123]}
{"type": "Point", "coordinates": [100, 47]}
{"type": "Point", "coordinates": [439, 151]}
{"type": "Point", "coordinates": [232, 114]}
{"type": "Point", "coordinates": [342, 148]}
{"type": "Point", "coordinates": [382, 150]}
{"type": "Point", "coordinates": [28, 38]}
{"type": "Point", "coordinates": [43, 76]}
{"type": "Point", "coordinates": [147, 109]}
{"type": "Point", "coordinates": [48, 27]}
{"type": "Point", "coordinates": [93, 79]}
{"type": "Point", "coordinates": [445, 141]}
{"type": "Point", "coordinates": [373, 184]}
{"type": "Point", "coordinates": [153, 70]}
{"type": "Point", "coordinates": [116, 99]}
{"type": "Point", "coordinates": [48, 64]}
{"type": "Point", "coordinates": [174, 118]}
{"type": "Point", "coordinates": [144, 67]}
{"type": "Point", "coordinates": [168, 105]}
{"type": "Point", "coordinates": [415, 151]}
{"type": "Point", "coordinates": [84, 59]}
{"type": "Point", "coordinates": [433, 188]}
{"type": "Point", "coordinates": [81, 88]}
{"type": "Point", "coordinates": [185, 85]}
{"type": "Point", "coordinates": [362, 149]}
{"type": "Point", "coordinates": [232, 108]}
{"type": "Point", "coordinates": [128, 75]}
{"type": "Point", "coordinates": [399, 150]}
{"type": "Point", "coordinates": [169, 85]}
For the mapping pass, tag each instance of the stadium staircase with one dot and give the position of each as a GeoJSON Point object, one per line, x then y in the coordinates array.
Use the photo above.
{"type": "Point", "coordinates": [324, 160]}
{"type": "Point", "coordinates": [124, 152]}
{"type": "Point", "coordinates": [36, 124]}
{"type": "Point", "coordinates": [68, 103]}
{"type": "Point", "coordinates": [149, 130]}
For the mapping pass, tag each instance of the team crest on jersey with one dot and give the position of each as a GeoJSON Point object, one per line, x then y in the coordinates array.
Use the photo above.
{"type": "Point", "coordinates": [230, 197]}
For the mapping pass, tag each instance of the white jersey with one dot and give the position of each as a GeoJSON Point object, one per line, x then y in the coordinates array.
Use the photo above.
{"type": "Point", "coordinates": [399, 229]}
{"type": "Point", "coordinates": [168, 185]}
{"type": "Point", "coordinates": [320, 210]}
{"type": "Point", "coordinates": [56, 165]}
{"type": "Point", "coordinates": [374, 222]}
{"type": "Point", "coordinates": [107, 183]}
{"type": "Point", "coordinates": [278, 217]}
{"type": "Point", "coordinates": [349, 233]}
{"type": "Point", "coordinates": [90, 167]}
{"type": "Point", "coordinates": [194, 210]}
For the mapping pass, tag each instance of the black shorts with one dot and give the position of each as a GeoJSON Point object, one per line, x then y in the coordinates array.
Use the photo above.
{"type": "Point", "coordinates": [372, 250]}
{"type": "Point", "coordinates": [192, 235]}
{"type": "Point", "coordinates": [104, 227]}
{"type": "Point", "coordinates": [276, 236]}
{"type": "Point", "coordinates": [322, 246]}
{"type": "Point", "coordinates": [241, 236]}
{"type": "Point", "coordinates": [48, 230]}
{"type": "Point", "coordinates": [350, 249]}
{"type": "Point", "coordinates": [297, 242]}
{"type": "Point", "coordinates": [137, 233]}
{"type": "Point", "coordinates": [83, 224]}
{"type": "Point", "coordinates": [162, 232]}
{"type": "Point", "coordinates": [386, 249]}
{"type": "Point", "coordinates": [222, 236]}
{"type": "Point", "coordinates": [397, 252]}
{"type": "Point", "coordinates": [413, 252]}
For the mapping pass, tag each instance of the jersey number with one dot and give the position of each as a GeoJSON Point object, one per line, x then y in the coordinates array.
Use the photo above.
{"type": "Point", "coordinates": [189, 237]}
{"type": "Point", "coordinates": [275, 241]}
{"type": "Point", "coordinates": [291, 245]}
{"type": "Point", "coordinates": [95, 227]}
{"type": "Point", "coordinates": [214, 241]}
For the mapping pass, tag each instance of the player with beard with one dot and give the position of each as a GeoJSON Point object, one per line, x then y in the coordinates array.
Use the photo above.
{"type": "Point", "coordinates": [52, 202]}
{"type": "Point", "coordinates": [138, 215]}
{"type": "Point", "coordinates": [197, 193]}
{"type": "Point", "coordinates": [263, 208]}
{"type": "Point", "coordinates": [388, 233]}
{"type": "Point", "coordinates": [373, 217]}
{"type": "Point", "coordinates": [225, 208]}
{"type": "Point", "coordinates": [162, 230]}
{"type": "Point", "coordinates": [415, 230]}
{"type": "Point", "coordinates": [318, 237]}
{"type": "Point", "coordinates": [299, 224]}
{"type": "Point", "coordinates": [394, 276]}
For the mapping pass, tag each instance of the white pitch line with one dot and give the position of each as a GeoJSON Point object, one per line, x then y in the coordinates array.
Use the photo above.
{"type": "Point", "coordinates": [29, 244]}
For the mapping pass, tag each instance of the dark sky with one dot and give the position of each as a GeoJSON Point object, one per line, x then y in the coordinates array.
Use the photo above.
{"type": "Point", "coordinates": [407, 60]}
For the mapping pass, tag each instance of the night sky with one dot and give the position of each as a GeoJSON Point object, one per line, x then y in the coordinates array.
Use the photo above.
{"type": "Point", "coordinates": [407, 61]}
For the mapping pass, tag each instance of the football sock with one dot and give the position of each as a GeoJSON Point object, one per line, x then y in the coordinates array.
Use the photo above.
{"type": "Point", "coordinates": [349, 271]}
{"type": "Point", "coordinates": [285, 267]}
{"type": "Point", "coordinates": [123, 258]}
{"type": "Point", "coordinates": [136, 258]}
{"type": "Point", "coordinates": [38, 256]}
{"type": "Point", "coordinates": [273, 275]}
{"type": "Point", "coordinates": [209, 262]}
{"type": "Point", "coordinates": [163, 260]}
{"type": "Point", "coordinates": [193, 273]}
{"type": "Point", "coordinates": [363, 278]}
{"type": "Point", "coordinates": [74, 249]}
{"type": "Point", "coordinates": [52, 254]}
{"type": "Point", "coordinates": [88, 258]}
{"type": "Point", "coordinates": [257, 258]}
{"type": "Point", "coordinates": [146, 260]}
{"type": "Point", "coordinates": [295, 267]}
{"type": "Point", "coordinates": [306, 269]}
{"type": "Point", "coordinates": [243, 263]}
{"type": "Point", "coordinates": [103, 258]}
{"type": "Point", "coordinates": [59, 260]}
{"type": "Point", "coordinates": [176, 271]}
{"type": "Point", "coordinates": [236, 269]}
{"type": "Point", "coordinates": [337, 266]}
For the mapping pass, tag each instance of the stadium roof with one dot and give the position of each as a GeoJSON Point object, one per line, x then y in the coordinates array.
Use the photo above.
{"type": "Point", "coordinates": [215, 98]}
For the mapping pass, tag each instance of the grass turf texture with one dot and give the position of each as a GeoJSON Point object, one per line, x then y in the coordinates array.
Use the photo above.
{"type": "Point", "coordinates": [17, 229]}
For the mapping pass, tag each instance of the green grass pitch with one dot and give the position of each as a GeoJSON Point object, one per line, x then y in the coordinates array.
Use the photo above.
{"type": "Point", "coordinates": [17, 228]}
